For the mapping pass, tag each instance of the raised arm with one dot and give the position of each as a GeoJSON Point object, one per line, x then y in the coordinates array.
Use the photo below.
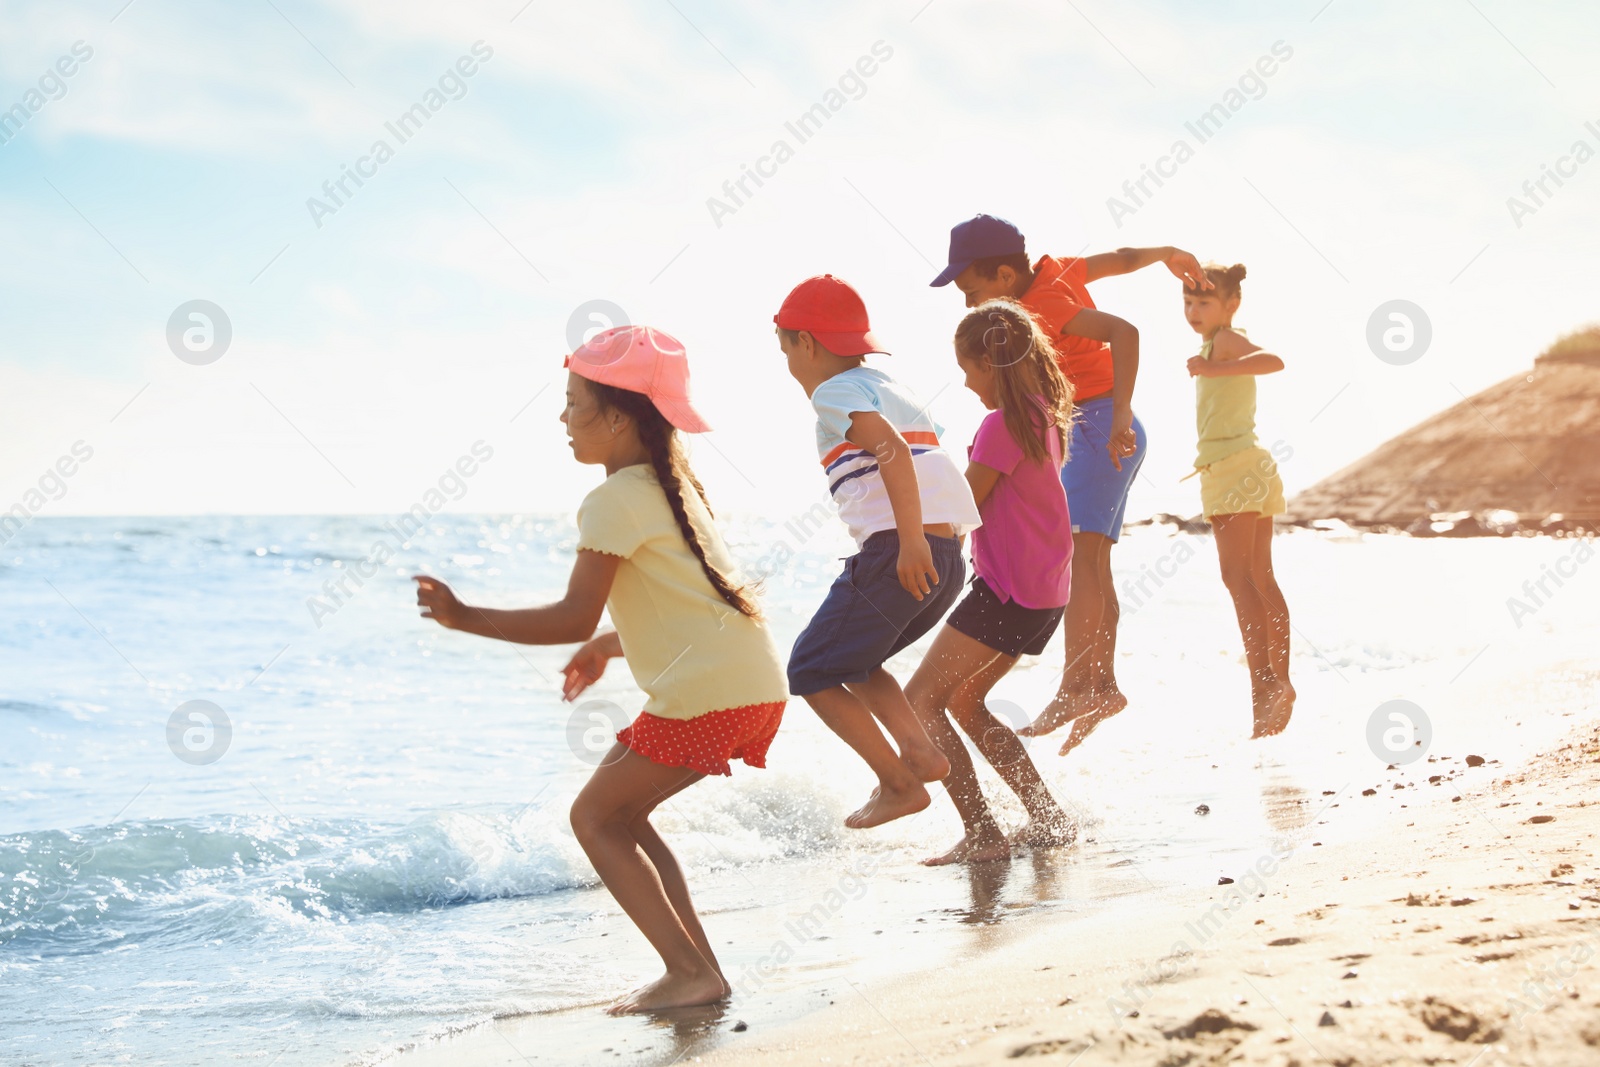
{"type": "Point", "coordinates": [1123, 337]}
{"type": "Point", "coordinates": [572, 618]}
{"type": "Point", "coordinates": [1127, 260]}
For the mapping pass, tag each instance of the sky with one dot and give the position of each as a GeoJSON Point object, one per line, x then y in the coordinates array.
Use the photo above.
{"type": "Point", "coordinates": [380, 335]}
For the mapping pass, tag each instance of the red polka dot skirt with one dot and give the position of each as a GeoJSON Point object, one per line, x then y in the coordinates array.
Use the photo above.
{"type": "Point", "coordinates": [707, 742]}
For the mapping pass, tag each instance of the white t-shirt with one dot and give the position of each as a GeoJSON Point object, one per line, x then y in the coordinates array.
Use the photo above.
{"type": "Point", "coordinates": [853, 475]}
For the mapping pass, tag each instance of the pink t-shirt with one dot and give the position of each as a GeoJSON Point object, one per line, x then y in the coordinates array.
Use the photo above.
{"type": "Point", "coordinates": [1023, 550]}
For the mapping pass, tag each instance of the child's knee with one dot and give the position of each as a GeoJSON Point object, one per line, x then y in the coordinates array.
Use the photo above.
{"type": "Point", "coordinates": [969, 711]}
{"type": "Point", "coordinates": [1236, 575]}
{"type": "Point", "coordinates": [588, 818]}
{"type": "Point", "coordinates": [927, 691]}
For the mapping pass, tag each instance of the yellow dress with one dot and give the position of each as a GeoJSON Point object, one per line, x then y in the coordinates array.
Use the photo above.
{"type": "Point", "coordinates": [1237, 475]}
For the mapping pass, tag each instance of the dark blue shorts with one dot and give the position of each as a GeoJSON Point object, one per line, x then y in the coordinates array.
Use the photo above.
{"type": "Point", "coordinates": [1004, 625]}
{"type": "Point", "coordinates": [868, 616]}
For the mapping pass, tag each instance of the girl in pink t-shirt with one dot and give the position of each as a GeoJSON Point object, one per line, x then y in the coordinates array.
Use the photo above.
{"type": "Point", "coordinates": [1021, 558]}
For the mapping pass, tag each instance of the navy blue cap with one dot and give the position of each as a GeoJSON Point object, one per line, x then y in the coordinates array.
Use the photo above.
{"type": "Point", "coordinates": [978, 237]}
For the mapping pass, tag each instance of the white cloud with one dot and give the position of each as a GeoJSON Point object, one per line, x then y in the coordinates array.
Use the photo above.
{"type": "Point", "coordinates": [407, 326]}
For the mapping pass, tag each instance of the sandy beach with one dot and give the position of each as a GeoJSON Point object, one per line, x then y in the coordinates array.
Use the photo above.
{"type": "Point", "coordinates": [1463, 930]}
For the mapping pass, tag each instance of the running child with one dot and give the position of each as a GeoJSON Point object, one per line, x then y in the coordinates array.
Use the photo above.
{"type": "Point", "coordinates": [694, 641]}
{"type": "Point", "coordinates": [1022, 574]}
{"type": "Point", "coordinates": [1240, 489]}
{"type": "Point", "coordinates": [1099, 354]}
{"type": "Point", "coordinates": [907, 506]}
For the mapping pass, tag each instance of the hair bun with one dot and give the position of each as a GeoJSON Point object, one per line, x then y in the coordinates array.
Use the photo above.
{"type": "Point", "coordinates": [1236, 273]}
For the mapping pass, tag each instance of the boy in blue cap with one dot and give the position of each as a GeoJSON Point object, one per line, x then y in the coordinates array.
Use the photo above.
{"type": "Point", "coordinates": [1099, 354]}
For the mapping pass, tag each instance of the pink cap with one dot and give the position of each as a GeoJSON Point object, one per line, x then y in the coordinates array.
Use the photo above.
{"type": "Point", "coordinates": [642, 360]}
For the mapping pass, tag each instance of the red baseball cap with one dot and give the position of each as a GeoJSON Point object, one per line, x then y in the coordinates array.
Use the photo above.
{"type": "Point", "coordinates": [831, 311]}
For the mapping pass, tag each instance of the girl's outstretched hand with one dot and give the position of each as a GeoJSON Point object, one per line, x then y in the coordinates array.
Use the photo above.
{"type": "Point", "coordinates": [438, 602]}
{"type": "Point", "coordinates": [588, 664]}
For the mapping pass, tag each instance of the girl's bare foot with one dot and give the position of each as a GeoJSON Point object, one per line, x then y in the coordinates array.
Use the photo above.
{"type": "Point", "coordinates": [1084, 725]}
{"type": "Point", "coordinates": [926, 762]}
{"type": "Point", "coordinates": [886, 805]}
{"type": "Point", "coordinates": [673, 991]}
{"type": "Point", "coordinates": [1046, 833]}
{"type": "Point", "coordinates": [1273, 707]}
{"type": "Point", "coordinates": [1068, 707]}
{"type": "Point", "coordinates": [986, 847]}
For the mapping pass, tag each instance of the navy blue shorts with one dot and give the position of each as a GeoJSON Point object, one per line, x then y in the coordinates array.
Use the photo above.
{"type": "Point", "coordinates": [868, 616]}
{"type": "Point", "coordinates": [1004, 625]}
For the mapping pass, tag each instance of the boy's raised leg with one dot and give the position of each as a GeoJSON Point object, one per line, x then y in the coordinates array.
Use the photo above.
{"type": "Point", "coordinates": [900, 792]}
{"type": "Point", "coordinates": [882, 695]}
{"type": "Point", "coordinates": [1088, 682]}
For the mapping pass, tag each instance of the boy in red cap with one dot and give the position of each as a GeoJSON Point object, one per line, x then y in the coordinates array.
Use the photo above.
{"type": "Point", "coordinates": [907, 505]}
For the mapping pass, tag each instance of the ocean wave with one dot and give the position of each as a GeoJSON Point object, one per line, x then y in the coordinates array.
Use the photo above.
{"type": "Point", "coordinates": [228, 876]}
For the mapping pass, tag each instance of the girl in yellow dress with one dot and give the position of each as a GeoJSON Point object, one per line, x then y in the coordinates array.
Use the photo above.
{"type": "Point", "coordinates": [1240, 488]}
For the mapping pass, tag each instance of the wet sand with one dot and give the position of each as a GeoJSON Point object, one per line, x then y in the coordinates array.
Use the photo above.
{"type": "Point", "coordinates": [1396, 919]}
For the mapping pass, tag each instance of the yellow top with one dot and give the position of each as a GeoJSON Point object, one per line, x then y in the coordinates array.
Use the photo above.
{"type": "Point", "coordinates": [1225, 413]}
{"type": "Point", "coordinates": [688, 649]}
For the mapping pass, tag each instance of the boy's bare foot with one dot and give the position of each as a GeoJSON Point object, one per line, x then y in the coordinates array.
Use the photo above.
{"type": "Point", "coordinates": [926, 762]}
{"type": "Point", "coordinates": [1068, 707]}
{"type": "Point", "coordinates": [887, 805]}
{"type": "Point", "coordinates": [672, 991]}
{"type": "Point", "coordinates": [1084, 725]}
{"type": "Point", "coordinates": [989, 847]}
{"type": "Point", "coordinates": [1046, 833]}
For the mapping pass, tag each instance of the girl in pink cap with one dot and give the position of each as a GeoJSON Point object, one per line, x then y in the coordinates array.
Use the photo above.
{"type": "Point", "coordinates": [695, 641]}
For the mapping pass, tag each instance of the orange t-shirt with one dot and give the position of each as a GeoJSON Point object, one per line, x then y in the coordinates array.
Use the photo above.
{"type": "Point", "coordinates": [1059, 291]}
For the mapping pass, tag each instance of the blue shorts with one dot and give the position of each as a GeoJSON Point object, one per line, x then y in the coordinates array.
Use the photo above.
{"type": "Point", "coordinates": [868, 616]}
{"type": "Point", "coordinates": [1097, 493]}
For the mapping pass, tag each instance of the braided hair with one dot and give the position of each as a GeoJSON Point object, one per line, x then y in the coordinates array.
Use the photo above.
{"type": "Point", "coordinates": [671, 466]}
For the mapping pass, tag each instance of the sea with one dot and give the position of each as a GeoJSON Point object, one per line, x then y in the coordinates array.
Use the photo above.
{"type": "Point", "coordinates": [254, 810]}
